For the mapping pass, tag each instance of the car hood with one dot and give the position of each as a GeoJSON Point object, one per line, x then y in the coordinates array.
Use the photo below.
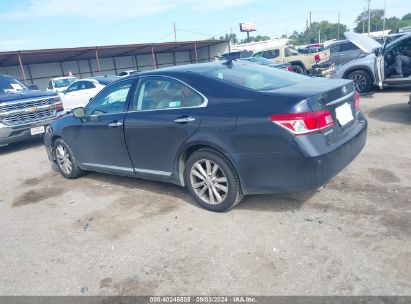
{"type": "Point", "coordinates": [365, 43]}
{"type": "Point", "coordinates": [6, 97]}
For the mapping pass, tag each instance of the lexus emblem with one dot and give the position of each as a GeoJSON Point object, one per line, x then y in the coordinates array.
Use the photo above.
{"type": "Point", "coordinates": [344, 90]}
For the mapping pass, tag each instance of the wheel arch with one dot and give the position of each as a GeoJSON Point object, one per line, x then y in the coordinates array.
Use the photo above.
{"type": "Point", "coordinates": [363, 68]}
{"type": "Point", "coordinates": [299, 63]}
{"type": "Point", "coordinates": [189, 149]}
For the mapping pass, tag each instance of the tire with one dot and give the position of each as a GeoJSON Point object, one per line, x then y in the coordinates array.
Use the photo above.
{"type": "Point", "coordinates": [222, 181]}
{"type": "Point", "coordinates": [64, 156]}
{"type": "Point", "coordinates": [362, 80]}
{"type": "Point", "coordinates": [298, 69]}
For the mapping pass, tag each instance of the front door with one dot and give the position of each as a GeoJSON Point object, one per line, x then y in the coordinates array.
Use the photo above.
{"type": "Point", "coordinates": [380, 70]}
{"type": "Point", "coordinates": [164, 114]}
{"type": "Point", "coordinates": [99, 137]}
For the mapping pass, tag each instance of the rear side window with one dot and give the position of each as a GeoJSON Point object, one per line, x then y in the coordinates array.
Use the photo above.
{"type": "Point", "coordinates": [348, 46]}
{"type": "Point", "coordinates": [160, 94]}
{"type": "Point", "coordinates": [271, 54]}
{"type": "Point", "coordinates": [256, 77]}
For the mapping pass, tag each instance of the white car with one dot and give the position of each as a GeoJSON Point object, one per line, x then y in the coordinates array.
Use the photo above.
{"type": "Point", "coordinates": [59, 84]}
{"type": "Point", "coordinates": [126, 73]}
{"type": "Point", "coordinates": [79, 93]}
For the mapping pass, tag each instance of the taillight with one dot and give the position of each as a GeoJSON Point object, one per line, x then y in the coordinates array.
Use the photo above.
{"type": "Point", "coordinates": [317, 57]}
{"type": "Point", "coordinates": [290, 68]}
{"type": "Point", "coordinates": [304, 123]}
{"type": "Point", "coordinates": [357, 101]}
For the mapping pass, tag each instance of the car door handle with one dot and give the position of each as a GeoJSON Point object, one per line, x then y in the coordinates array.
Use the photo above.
{"type": "Point", "coordinates": [184, 119]}
{"type": "Point", "coordinates": [115, 124]}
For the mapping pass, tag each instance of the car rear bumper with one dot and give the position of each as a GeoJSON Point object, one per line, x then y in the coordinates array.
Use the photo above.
{"type": "Point", "coordinates": [296, 172]}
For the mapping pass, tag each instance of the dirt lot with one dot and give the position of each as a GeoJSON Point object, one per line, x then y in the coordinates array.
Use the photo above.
{"type": "Point", "coordinates": [107, 235]}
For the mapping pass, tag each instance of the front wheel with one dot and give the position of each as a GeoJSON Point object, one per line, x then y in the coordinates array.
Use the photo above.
{"type": "Point", "coordinates": [65, 159]}
{"type": "Point", "coordinates": [212, 180]}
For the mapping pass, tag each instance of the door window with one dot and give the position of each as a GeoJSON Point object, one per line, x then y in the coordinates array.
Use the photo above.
{"type": "Point", "coordinates": [111, 100]}
{"type": "Point", "coordinates": [348, 46]}
{"type": "Point", "coordinates": [50, 86]}
{"type": "Point", "coordinates": [160, 94]}
{"type": "Point", "coordinates": [271, 54]}
{"type": "Point", "coordinates": [73, 87]}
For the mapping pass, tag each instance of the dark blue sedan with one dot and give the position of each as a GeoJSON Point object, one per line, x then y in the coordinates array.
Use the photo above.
{"type": "Point", "coordinates": [223, 130]}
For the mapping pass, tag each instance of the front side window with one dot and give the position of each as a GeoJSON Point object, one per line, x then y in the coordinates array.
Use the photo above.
{"type": "Point", "coordinates": [73, 87]}
{"type": "Point", "coordinates": [50, 86]}
{"type": "Point", "coordinates": [110, 100]}
{"type": "Point", "coordinates": [160, 94]}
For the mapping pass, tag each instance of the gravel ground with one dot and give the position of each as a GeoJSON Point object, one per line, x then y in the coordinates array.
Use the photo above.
{"type": "Point", "coordinates": [109, 235]}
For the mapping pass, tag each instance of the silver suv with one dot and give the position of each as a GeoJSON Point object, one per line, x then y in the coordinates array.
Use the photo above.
{"type": "Point", "coordinates": [376, 64]}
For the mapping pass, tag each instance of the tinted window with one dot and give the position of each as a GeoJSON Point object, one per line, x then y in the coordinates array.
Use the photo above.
{"type": "Point", "coordinates": [65, 82]}
{"type": "Point", "coordinates": [335, 48]}
{"type": "Point", "coordinates": [110, 100]}
{"type": "Point", "coordinates": [50, 86]}
{"type": "Point", "coordinates": [256, 77]}
{"type": "Point", "coordinates": [73, 87]}
{"type": "Point", "coordinates": [348, 46]}
{"type": "Point", "coordinates": [159, 93]}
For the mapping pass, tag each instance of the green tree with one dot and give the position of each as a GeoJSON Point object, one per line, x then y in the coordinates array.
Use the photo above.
{"type": "Point", "coordinates": [327, 31]}
{"type": "Point", "coordinates": [392, 23]}
{"type": "Point", "coordinates": [231, 36]}
{"type": "Point", "coordinates": [256, 39]}
{"type": "Point", "coordinates": [376, 21]}
{"type": "Point", "coordinates": [405, 21]}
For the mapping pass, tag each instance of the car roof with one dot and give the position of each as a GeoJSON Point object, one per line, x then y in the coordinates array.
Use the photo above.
{"type": "Point", "coordinates": [64, 77]}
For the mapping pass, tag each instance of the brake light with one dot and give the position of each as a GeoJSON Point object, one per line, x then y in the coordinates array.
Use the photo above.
{"type": "Point", "coordinates": [317, 57]}
{"type": "Point", "coordinates": [304, 123]}
{"type": "Point", "coordinates": [357, 101]}
{"type": "Point", "coordinates": [290, 68]}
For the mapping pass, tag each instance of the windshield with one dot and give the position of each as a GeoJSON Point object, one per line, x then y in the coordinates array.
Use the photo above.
{"type": "Point", "coordinates": [256, 77]}
{"type": "Point", "coordinates": [11, 85]}
{"type": "Point", "coordinates": [259, 60]}
{"type": "Point", "coordinates": [65, 82]}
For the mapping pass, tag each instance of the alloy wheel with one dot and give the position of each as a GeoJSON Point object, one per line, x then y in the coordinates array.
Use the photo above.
{"type": "Point", "coordinates": [209, 181]}
{"type": "Point", "coordinates": [360, 82]}
{"type": "Point", "coordinates": [63, 159]}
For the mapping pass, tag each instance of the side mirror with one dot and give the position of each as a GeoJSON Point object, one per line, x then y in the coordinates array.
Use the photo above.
{"type": "Point", "coordinates": [79, 112]}
{"type": "Point", "coordinates": [34, 87]}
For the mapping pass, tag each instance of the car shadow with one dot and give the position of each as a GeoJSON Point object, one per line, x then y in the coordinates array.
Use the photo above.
{"type": "Point", "coordinates": [270, 203]}
{"type": "Point", "coordinates": [22, 145]}
{"type": "Point", "coordinates": [399, 113]}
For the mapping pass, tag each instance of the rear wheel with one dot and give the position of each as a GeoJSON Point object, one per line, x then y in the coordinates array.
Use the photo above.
{"type": "Point", "coordinates": [65, 159]}
{"type": "Point", "coordinates": [362, 80]}
{"type": "Point", "coordinates": [212, 180]}
{"type": "Point", "coordinates": [298, 69]}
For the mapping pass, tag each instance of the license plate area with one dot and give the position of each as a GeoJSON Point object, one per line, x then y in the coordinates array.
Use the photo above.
{"type": "Point", "coordinates": [37, 130]}
{"type": "Point", "coordinates": [343, 114]}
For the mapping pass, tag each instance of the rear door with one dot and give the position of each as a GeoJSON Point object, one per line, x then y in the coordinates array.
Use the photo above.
{"type": "Point", "coordinates": [164, 113]}
{"type": "Point", "coordinates": [348, 51]}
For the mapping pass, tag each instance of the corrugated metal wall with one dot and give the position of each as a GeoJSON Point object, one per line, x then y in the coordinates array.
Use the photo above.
{"type": "Point", "coordinates": [40, 74]}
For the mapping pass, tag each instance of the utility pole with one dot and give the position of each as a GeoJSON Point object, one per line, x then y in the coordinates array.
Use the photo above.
{"type": "Point", "coordinates": [309, 30]}
{"type": "Point", "coordinates": [175, 32]}
{"type": "Point", "coordinates": [369, 18]}
{"type": "Point", "coordinates": [338, 27]}
{"type": "Point", "coordinates": [319, 36]}
{"type": "Point", "coordinates": [363, 18]}
{"type": "Point", "coordinates": [383, 21]}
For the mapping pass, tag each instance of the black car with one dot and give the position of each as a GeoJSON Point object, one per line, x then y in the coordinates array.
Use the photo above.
{"type": "Point", "coordinates": [223, 130]}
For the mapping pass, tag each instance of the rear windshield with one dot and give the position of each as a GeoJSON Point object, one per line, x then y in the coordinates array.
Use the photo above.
{"type": "Point", "coordinates": [256, 77]}
{"type": "Point", "coordinates": [11, 85]}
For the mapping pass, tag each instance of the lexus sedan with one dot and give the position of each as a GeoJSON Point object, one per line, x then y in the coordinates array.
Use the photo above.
{"type": "Point", "coordinates": [222, 129]}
